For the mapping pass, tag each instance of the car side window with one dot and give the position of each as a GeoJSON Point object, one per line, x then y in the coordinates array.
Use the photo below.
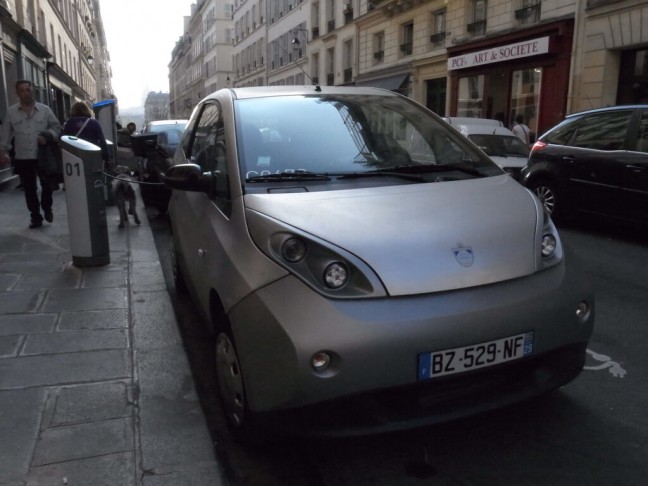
{"type": "Point", "coordinates": [604, 131]}
{"type": "Point", "coordinates": [642, 136]}
{"type": "Point", "coordinates": [209, 151]}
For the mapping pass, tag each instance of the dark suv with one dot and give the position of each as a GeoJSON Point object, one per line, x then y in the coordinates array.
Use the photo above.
{"type": "Point", "coordinates": [594, 161]}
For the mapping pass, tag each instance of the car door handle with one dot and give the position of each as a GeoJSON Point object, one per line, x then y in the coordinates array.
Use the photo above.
{"type": "Point", "coordinates": [569, 159]}
{"type": "Point", "coordinates": [202, 253]}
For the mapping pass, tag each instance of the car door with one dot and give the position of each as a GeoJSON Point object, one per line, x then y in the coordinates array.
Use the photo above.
{"type": "Point", "coordinates": [597, 153]}
{"type": "Point", "coordinates": [636, 175]}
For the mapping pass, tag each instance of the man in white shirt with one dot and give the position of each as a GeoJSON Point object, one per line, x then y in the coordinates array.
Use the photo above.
{"type": "Point", "coordinates": [29, 124]}
{"type": "Point", "coordinates": [520, 129]}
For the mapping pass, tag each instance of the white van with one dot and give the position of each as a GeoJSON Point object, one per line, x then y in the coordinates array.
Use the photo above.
{"type": "Point", "coordinates": [497, 141]}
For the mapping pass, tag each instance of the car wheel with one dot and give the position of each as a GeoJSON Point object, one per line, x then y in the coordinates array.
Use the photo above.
{"type": "Point", "coordinates": [231, 390]}
{"type": "Point", "coordinates": [551, 198]}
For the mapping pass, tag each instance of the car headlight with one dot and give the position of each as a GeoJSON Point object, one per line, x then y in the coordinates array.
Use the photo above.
{"type": "Point", "coordinates": [550, 248]}
{"type": "Point", "coordinates": [328, 269]}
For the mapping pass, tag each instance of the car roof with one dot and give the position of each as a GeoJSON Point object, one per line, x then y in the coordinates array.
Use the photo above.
{"type": "Point", "coordinates": [466, 120]}
{"type": "Point", "coordinates": [167, 122]}
{"type": "Point", "coordinates": [607, 108]}
{"type": "Point", "coordinates": [266, 91]}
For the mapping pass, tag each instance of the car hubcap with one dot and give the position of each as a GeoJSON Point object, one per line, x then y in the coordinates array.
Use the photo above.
{"type": "Point", "coordinates": [547, 198]}
{"type": "Point", "coordinates": [230, 381]}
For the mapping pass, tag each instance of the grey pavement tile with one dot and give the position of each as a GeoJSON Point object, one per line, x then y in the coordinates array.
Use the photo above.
{"type": "Point", "coordinates": [21, 301]}
{"type": "Point", "coordinates": [26, 324]}
{"type": "Point", "coordinates": [110, 470]}
{"type": "Point", "coordinates": [154, 321]}
{"type": "Point", "coordinates": [85, 299]}
{"type": "Point", "coordinates": [31, 266]}
{"type": "Point", "coordinates": [90, 402]}
{"type": "Point", "coordinates": [54, 259]}
{"type": "Point", "coordinates": [8, 281]}
{"type": "Point", "coordinates": [60, 369]}
{"type": "Point", "coordinates": [19, 423]}
{"type": "Point", "coordinates": [173, 432]}
{"type": "Point", "coordinates": [92, 439]}
{"type": "Point", "coordinates": [10, 345]}
{"type": "Point", "coordinates": [100, 277]}
{"type": "Point", "coordinates": [192, 474]}
{"type": "Point", "coordinates": [165, 373]}
{"type": "Point", "coordinates": [101, 319]}
{"type": "Point", "coordinates": [74, 341]}
{"type": "Point", "coordinates": [148, 275]}
{"type": "Point", "coordinates": [61, 280]}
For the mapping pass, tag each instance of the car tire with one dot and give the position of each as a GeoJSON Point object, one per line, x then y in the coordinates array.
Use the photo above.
{"type": "Point", "coordinates": [231, 390]}
{"type": "Point", "coordinates": [551, 196]}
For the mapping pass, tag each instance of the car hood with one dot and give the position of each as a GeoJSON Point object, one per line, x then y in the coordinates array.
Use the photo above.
{"type": "Point", "coordinates": [422, 238]}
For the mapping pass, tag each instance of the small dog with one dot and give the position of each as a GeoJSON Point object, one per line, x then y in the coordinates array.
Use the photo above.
{"type": "Point", "coordinates": [124, 193]}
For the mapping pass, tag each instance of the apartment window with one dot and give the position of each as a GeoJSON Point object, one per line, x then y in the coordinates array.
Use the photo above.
{"type": "Point", "coordinates": [529, 12]}
{"type": "Point", "coordinates": [348, 12]}
{"type": "Point", "coordinates": [379, 47]}
{"type": "Point", "coordinates": [438, 28]}
{"type": "Point", "coordinates": [407, 37]}
{"type": "Point", "coordinates": [478, 25]}
{"type": "Point", "coordinates": [330, 23]}
{"type": "Point", "coordinates": [330, 67]}
{"type": "Point", "coordinates": [348, 61]}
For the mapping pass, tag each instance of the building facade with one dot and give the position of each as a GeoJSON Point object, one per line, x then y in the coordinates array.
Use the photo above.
{"type": "Point", "coordinates": [541, 59]}
{"type": "Point", "coordinates": [58, 45]}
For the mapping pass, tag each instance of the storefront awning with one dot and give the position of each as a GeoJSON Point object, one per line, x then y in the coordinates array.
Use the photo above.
{"type": "Point", "coordinates": [392, 83]}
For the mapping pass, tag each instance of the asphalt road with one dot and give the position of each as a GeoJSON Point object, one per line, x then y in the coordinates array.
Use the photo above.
{"type": "Point", "coordinates": [593, 431]}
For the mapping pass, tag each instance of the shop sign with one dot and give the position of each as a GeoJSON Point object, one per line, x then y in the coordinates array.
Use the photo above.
{"type": "Point", "coordinates": [499, 54]}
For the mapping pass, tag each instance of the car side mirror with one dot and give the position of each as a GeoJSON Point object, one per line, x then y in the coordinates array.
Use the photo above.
{"type": "Point", "coordinates": [188, 177]}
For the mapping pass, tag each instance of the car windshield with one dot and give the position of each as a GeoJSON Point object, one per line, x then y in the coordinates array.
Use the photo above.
{"type": "Point", "coordinates": [285, 138]}
{"type": "Point", "coordinates": [500, 145]}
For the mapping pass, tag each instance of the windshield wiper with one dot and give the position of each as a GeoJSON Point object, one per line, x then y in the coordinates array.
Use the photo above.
{"type": "Point", "coordinates": [414, 172]}
{"type": "Point", "coordinates": [289, 176]}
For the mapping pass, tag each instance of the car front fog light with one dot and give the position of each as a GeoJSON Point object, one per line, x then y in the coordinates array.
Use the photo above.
{"type": "Point", "coordinates": [335, 275]}
{"type": "Point", "coordinates": [321, 361]}
{"type": "Point", "coordinates": [549, 245]}
{"type": "Point", "coordinates": [293, 250]}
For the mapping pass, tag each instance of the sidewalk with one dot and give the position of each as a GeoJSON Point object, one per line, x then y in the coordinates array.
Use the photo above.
{"type": "Point", "coordinates": [95, 386]}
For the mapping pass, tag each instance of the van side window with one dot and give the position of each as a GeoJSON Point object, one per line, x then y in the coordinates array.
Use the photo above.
{"type": "Point", "coordinates": [604, 131]}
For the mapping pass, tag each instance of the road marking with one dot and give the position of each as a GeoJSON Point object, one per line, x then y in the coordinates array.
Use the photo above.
{"type": "Point", "coordinates": [607, 363]}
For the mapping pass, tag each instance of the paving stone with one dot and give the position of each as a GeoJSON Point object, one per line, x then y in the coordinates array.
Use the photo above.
{"type": "Point", "coordinates": [117, 277]}
{"type": "Point", "coordinates": [91, 402]}
{"type": "Point", "coordinates": [110, 470]}
{"type": "Point", "coordinates": [67, 443]}
{"type": "Point", "coordinates": [152, 328]}
{"type": "Point", "coordinates": [18, 430]}
{"type": "Point", "coordinates": [73, 341]}
{"type": "Point", "coordinates": [65, 280]}
{"type": "Point", "coordinates": [85, 299]}
{"type": "Point", "coordinates": [26, 324]}
{"type": "Point", "coordinates": [103, 319]}
{"type": "Point", "coordinates": [59, 369]}
{"type": "Point", "coordinates": [9, 345]}
{"type": "Point", "coordinates": [193, 474]}
{"type": "Point", "coordinates": [148, 276]}
{"type": "Point", "coordinates": [8, 281]}
{"type": "Point", "coordinates": [20, 301]}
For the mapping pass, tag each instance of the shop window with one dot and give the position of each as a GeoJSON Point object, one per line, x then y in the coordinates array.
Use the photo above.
{"type": "Point", "coordinates": [529, 12]}
{"type": "Point", "coordinates": [525, 96]}
{"type": "Point", "coordinates": [471, 96]}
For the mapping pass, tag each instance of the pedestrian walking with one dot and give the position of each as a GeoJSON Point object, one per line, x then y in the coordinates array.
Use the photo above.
{"type": "Point", "coordinates": [520, 129]}
{"type": "Point", "coordinates": [82, 125]}
{"type": "Point", "coordinates": [31, 125]}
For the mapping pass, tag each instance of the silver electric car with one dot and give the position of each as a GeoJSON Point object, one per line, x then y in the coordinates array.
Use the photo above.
{"type": "Point", "coordinates": [363, 266]}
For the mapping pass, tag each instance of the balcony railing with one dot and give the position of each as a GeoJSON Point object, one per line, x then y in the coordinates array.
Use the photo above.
{"type": "Point", "coordinates": [438, 38]}
{"type": "Point", "coordinates": [406, 48]}
{"type": "Point", "coordinates": [477, 27]}
{"type": "Point", "coordinates": [331, 25]}
{"type": "Point", "coordinates": [315, 32]}
{"type": "Point", "coordinates": [378, 55]}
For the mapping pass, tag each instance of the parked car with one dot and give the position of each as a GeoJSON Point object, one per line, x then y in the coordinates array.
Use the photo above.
{"type": "Point", "coordinates": [7, 175]}
{"type": "Point", "coordinates": [154, 146]}
{"type": "Point", "coordinates": [363, 266]}
{"type": "Point", "coordinates": [497, 141]}
{"type": "Point", "coordinates": [595, 161]}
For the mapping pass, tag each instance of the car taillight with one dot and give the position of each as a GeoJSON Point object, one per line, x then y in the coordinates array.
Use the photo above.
{"type": "Point", "coordinates": [538, 146]}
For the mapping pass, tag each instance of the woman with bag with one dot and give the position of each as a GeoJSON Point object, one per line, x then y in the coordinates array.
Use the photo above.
{"type": "Point", "coordinates": [82, 125]}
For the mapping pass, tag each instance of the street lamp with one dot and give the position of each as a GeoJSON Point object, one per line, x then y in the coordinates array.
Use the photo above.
{"type": "Point", "coordinates": [90, 60]}
{"type": "Point", "coordinates": [295, 42]}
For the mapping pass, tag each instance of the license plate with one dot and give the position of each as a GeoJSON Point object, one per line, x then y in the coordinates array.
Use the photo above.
{"type": "Point", "coordinates": [449, 361]}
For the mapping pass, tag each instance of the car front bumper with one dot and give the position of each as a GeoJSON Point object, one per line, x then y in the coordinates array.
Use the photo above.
{"type": "Point", "coordinates": [375, 344]}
